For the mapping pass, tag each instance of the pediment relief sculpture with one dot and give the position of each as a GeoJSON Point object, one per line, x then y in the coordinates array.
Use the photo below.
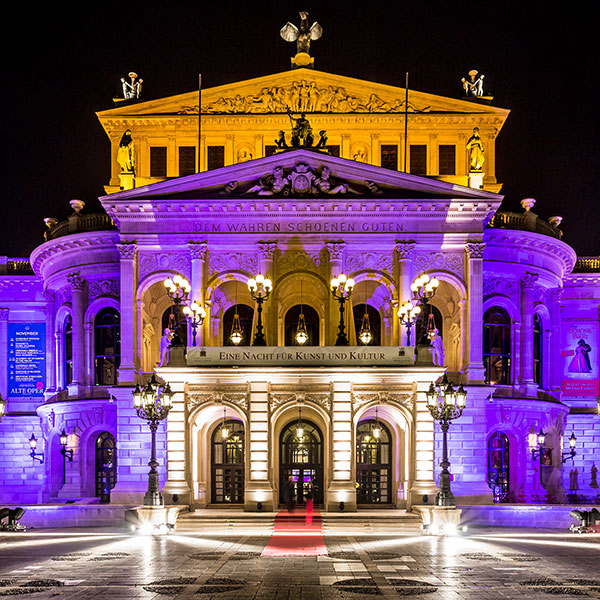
{"type": "Point", "coordinates": [308, 97]}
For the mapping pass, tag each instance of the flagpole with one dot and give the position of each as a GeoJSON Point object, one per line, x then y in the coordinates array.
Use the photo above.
{"type": "Point", "coordinates": [199, 120]}
{"type": "Point", "coordinates": [405, 119]}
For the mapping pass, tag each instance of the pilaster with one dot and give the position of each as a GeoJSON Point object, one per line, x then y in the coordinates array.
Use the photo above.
{"type": "Point", "coordinates": [336, 266]}
{"type": "Point", "coordinates": [266, 251]}
{"type": "Point", "coordinates": [526, 379]}
{"type": "Point", "coordinates": [198, 253]}
{"type": "Point", "coordinates": [473, 348]}
{"type": "Point", "coordinates": [129, 254]}
{"type": "Point", "coordinates": [405, 251]}
{"type": "Point", "coordinates": [555, 342]}
{"type": "Point", "coordinates": [50, 313]}
{"type": "Point", "coordinates": [77, 284]}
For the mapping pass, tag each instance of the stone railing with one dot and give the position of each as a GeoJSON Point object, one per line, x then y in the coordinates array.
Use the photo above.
{"type": "Point", "coordinates": [587, 264]}
{"type": "Point", "coordinates": [527, 221]}
{"type": "Point", "coordinates": [77, 223]}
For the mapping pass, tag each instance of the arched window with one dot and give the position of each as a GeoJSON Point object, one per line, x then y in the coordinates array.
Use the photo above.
{"type": "Point", "coordinates": [173, 317]}
{"type": "Point", "coordinates": [498, 473]}
{"type": "Point", "coordinates": [246, 314]}
{"type": "Point", "coordinates": [496, 346]}
{"type": "Point", "coordinates": [228, 463]}
{"type": "Point", "coordinates": [374, 323]}
{"type": "Point", "coordinates": [68, 350]}
{"type": "Point", "coordinates": [538, 333]}
{"type": "Point", "coordinates": [106, 463]}
{"type": "Point", "coordinates": [107, 346]}
{"type": "Point", "coordinates": [373, 463]}
{"type": "Point", "coordinates": [311, 320]}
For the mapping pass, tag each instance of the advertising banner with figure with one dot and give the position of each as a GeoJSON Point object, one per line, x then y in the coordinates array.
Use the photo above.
{"type": "Point", "coordinates": [580, 359]}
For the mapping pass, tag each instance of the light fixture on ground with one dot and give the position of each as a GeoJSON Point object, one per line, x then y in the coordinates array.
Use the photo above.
{"type": "Point", "coordinates": [194, 315]}
{"type": "Point", "coordinates": [424, 289]}
{"type": "Point", "coordinates": [153, 404]}
{"type": "Point", "coordinates": [260, 289]}
{"type": "Point", "coordinates": [39, 456]}
{"type": "Point", "coordinates": [408, 314]}
{"type": "Point", "coordinates": [2, 407]}
{"type": "Point", "coordinates": [341, 288]}
{"type": "Point", "coordinates": [445, 405]}
{"type": "Point", "coordinates": [178, 290]}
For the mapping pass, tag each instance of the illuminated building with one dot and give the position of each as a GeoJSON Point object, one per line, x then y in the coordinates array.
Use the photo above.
{"type": "Point", "coordinates": [510, 308]}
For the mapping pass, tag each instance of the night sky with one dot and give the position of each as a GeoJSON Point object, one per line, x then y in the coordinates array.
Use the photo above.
{"type": "Point", "coordinates": [63, 63]}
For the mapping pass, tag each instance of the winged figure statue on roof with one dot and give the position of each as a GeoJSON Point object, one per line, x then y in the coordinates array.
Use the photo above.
{"type": "Point", "coordinates": [302, 36]}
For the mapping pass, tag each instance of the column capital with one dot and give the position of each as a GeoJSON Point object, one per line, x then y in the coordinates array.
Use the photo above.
{"type": "Point", "coordinates": [127, 250]}
{"type": "Point", "coordinates": [267, 249]}
{"type": "Point", "coordinates": [556, 294]}
{"type": "Point", "coordinates": [528, 280]}
{"type": "Point", "coordinates": [475, 248]}
{"type": "Point", "coordinates": [335, 249]}
{"type": "Point", "coordinates": [76, 281]}
{"type": "Point", "coordinates": [49, 295]}
{"type": "Point", "coordinates": [405, 249]}
{"type": "Point", "coordinates": [198, 250]}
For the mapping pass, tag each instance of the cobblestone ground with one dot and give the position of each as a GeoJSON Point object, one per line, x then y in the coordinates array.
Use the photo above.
{"type": "Point", "coordinates": [78, 564]}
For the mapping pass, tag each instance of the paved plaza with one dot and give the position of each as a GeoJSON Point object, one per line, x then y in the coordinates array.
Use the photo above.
{"type": "Point", "coordinates": [224, 561]}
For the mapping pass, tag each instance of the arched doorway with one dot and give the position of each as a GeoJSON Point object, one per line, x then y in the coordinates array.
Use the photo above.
{"type": "Point", "coordinates": [302, 458]}
{"type": "Point", "coordinates": [227, 463]}
{"type": "Point", "coordinates": [311, 321]}
{"type": "Point", "coordinates": [498, 460]}
{"type": "Point", "coordinates": [106, 463]}
{"type": "Point", "coordinates": [373, 463]}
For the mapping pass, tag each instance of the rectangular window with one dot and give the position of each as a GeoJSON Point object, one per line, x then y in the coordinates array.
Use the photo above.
{"type": "Point", "coordinates": [187, 160]}
{"type": "Point", "coordinates": [418, 159]}
{"type": "Point", "coordinates": [270, 150]}
{"type": "Point", "coordinates": [158, 161]}
{"type": "Point", "coordinates": [334, 150]}
{"type": "Point", "coordinates": [389, 156]}
{"type": "Point", "coordinates": [447, 157]}
{"type": "Point", "coordinates": [215, 157]}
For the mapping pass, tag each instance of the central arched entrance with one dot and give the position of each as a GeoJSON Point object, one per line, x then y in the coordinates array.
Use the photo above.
{"type": "Point", "coordinates": [227, 462]}
{"type": "Point", "coordinates": [302, 458]}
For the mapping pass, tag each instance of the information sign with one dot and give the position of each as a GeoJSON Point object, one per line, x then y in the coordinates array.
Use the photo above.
{"type": "Point", "coordinates": [26, 359]}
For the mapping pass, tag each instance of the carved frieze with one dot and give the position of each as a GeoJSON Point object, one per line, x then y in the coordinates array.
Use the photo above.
{"type": "Point", "coordinates": [104, 287]}
{"type": "Point", "coordinates": [239, 399]}
{"type": "Point", "coordinates": [299, 260]}
{"type": "Point", "coordinates": [372, 261]}
{"type": "Point", "coordinates": [501, 286]}
{"type": "Point", "coordinates": [441, 261]}
{"type": "Point", "coordinates": [219, 262]}
{"type": "Point", "coordinates": [360, 398]}
{"type": "Point", "coordinates": [150, 262]}
{"type": "Point", "coordinates": [322, 399]}
{"type": "Point", "coordinates": [304, 96]}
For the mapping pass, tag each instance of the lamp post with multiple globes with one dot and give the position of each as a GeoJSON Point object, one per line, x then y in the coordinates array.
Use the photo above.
{"type": "Point", "coordinates": [153, 404]}
{"type": "Point", "coordinates": [445, 405]}
{"type": "Point", "coordinates": [424, 289]}
{"type": "Point", "coordinates": [260, 289]}
{"type": "Point", "coordinates": [408, 314]}
{"type": "Point", "coordinates": [178, 289]}
{"type": "Point", "coordinates": [341, 289]}
{"type": "Point", "coordinates": [194, 315]}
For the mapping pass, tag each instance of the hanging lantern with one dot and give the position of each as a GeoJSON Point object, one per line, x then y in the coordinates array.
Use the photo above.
{"type": "Point", "coordinates": [299, 426]}
{"type": "Point", "coordinates": [237, 333]}
{"type": "Point", "coordinates": [224, 428]}
{"type": "Point", "coordinates": [365, 335]}
{"type": "Point", "coordinates": [377, 428]}
{"type": "Point", "coordinates": [301, 333]}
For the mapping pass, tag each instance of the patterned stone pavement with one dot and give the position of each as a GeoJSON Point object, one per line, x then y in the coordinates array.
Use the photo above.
{"type": "Point", "coordinates": [483, 564]}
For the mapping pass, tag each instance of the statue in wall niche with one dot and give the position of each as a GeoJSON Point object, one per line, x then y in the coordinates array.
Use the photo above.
{"type": "Point", "coordinates": [594, 473]}
{"type": "Point", "coordinates": [476, 151]}
{"type": "Point", "coordinates": [244, 155]}
{"type": "Point", "coordinates": [359, 156]}
{"type": "Point", "coordinates": [472, 86]}
{"type": "Point", "coordinates": [573, 477]}
{"type": "Point", "coordinates": [165, 344]}
{"type": "Point", "coordinates": [303, 35]}
{"type": "Point", "coordinates": [437, 348]}
{"type": "Point", "coordinates": [125, 153]}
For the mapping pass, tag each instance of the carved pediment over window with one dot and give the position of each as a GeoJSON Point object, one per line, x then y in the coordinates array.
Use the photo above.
{"type": "Point", "coordinates": [359, 399]}
{"type": "Point", "coordinates": [305, 96]}
{"type": "Point", "coordinates": [239, 398]}
{"type": "Point", "coordinates": [322, 399]}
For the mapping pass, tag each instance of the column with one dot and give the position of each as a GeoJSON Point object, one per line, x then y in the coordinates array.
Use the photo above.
{"type": "Point", "coordinates": [198, 252]}
{"type": "Point", "coordinates": [434, 155]}
{"type": "Point", "coordinates": [259, 146]}
{"type": "Point", "coordinates": [259, 489]}
{"type": "Point", "coordinates": [375, 153]}
{"type": "Point", "coordinates": [527, 288]}
{"type": "Point", "coordinates": [342, 487]}
{"type": "Point", "coordinates": [266, 268]}
{"type": "Point", "coordinates": [345, 146]}
{"type": "Point", "coordinates": [473, 330]}
{"type": "Point", "coordinates": [50, 312]}
{"type": "Point", "coordinates": [405, 251]}
{"type": "Point", "coordinates": [77, 284]}
{"type": "Point", "coordinates": [176, 466]}
{"type": "Point", "coordinates": [128, 253]}
{"type": "Point", "coordinates": [336, 266]}
{"type": "Point", "coordinates": [229, 145]}
{"type": "Point", "coordinates": [554, 346]}
{"type": "Point", "coordinates": [90, 372]}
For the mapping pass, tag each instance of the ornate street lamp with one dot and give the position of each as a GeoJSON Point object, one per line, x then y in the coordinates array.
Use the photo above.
{"type": "Point", "coordinates": [39, 456]}
{"type": "Point", "coordinates": [2, 407]}
{"type": "Point", "coordinates": [408, 314]}
{"type": "Point", "coordinates": [153, 404]}
{"type": "Point", "coordinates": [424, 289]}
{"type": "Point", "coordinates": [194, 315]}
{"type": "Point", "coordinates": [260, 289]}
{"type": "Point", "coordinates": [445, 405]}
{"type": "Point", "coordinates": [341, 288]}
{"type": "Point", "coordinates": [178, 290]}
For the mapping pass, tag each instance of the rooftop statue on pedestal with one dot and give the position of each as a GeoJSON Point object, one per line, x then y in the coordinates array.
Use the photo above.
{"type": "Point", "coordinates": [303, 36]}
{"type": "Point", "coordinates": [474, 87]}
{"type": "Point", "coordinates": [132, 90]}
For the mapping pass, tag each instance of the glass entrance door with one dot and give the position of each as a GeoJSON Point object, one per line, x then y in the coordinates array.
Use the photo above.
{"type": "Point", "coordinates": [302, 458]}
{"type": "Point", "coordinates": [228, 463]}
{"type": "Point", "coordinates": [373, 463]}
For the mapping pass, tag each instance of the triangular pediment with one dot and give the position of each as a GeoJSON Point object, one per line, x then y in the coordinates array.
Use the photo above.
{"type": "Point", "coordinates": [301, 89]}
{"type": "Point", "coordinates": [304, 174]}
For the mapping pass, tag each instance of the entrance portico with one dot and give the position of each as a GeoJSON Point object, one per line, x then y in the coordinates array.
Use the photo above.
{"type": "Point", "coordinates": [264, 405]}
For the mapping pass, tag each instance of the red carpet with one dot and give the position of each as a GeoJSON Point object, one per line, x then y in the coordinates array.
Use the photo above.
{"type": "Point", "coordinates": [293, 536]}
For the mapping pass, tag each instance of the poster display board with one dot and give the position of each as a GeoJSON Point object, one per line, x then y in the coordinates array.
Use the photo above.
{"type": "Point", "coordinates": [26, 360]}
{"type": "Point", "coordinates": [580, 359]}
